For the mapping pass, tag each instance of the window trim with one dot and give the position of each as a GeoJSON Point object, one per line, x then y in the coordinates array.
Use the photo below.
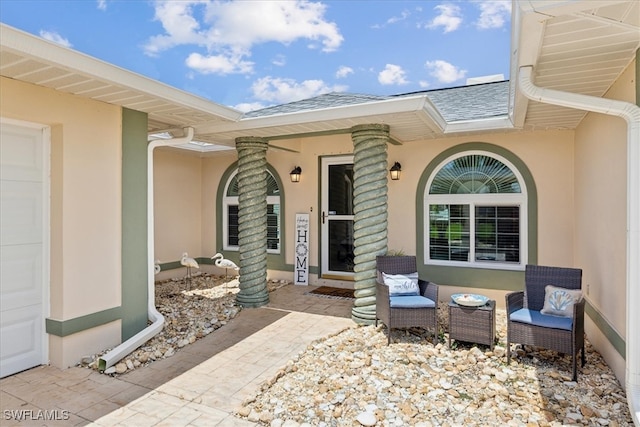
{"type": "Point", "coordinates": [474, 200]}
{"type": "Point", "coordinates": [234, 201]}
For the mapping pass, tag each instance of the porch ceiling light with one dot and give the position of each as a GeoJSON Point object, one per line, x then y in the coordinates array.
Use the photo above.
{"type": "Point", "coordinates": [295, 174]}
{"type": "Point", "coordinates": [395, 171]}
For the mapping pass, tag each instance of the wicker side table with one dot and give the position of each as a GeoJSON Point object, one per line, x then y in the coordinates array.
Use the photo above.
{"type": "Point", "coordinates": [473, 324]}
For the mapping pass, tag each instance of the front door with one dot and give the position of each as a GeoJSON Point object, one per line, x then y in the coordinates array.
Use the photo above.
{"type": "Point", "coordinates": [337, 217]}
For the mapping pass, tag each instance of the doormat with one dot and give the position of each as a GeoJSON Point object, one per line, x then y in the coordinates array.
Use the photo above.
{"type": "Point", "coordinates": [329, 292]}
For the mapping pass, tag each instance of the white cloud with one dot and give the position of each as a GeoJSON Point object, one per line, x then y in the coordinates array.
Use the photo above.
{"type": "Point", "coordinates": [444, 72]}
{"type": "Point", "coordinates": [180, 25]}
{"type": "Point", "coordinates": [55, 37]}
{"type": "Point", "coordinates": [424, 84]}
{"type": "Point", "coordinates": [279, 61]}
{"type": "Point", "coordinates": [393, 20]}
{"type": "Point", "coordinates": [281, 90]}
{"type": "Point", "coordinates": [493, 13]}
{"type": "Point", "coordinates": [343, 72]}
{"type": "Point", "coordinates": [102, 4]}
{"type": "Point", "coordinates": [245, 23]}
{"type": "Point", "coordinates": [245, 107]}
{"type": "Point", "coordinates": [218, 64]}
{"type": "Point", "coordinates": [449, 18]}
{"type": "Point", "coordinates": [233, 28]}
{"type": "Point", "coordinates": [392, 75]}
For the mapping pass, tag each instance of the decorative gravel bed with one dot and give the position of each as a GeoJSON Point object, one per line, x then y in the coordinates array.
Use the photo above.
{"type": "Point", "coordinates": [191, 311]}
{"type": "Point", "coordinates": [355, 378]}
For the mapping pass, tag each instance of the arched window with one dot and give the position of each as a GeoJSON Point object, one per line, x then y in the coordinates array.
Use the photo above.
{"type": "Point", "coordinates": [476, 213]}
{"type": "Point", "coordinates": [230, 219]}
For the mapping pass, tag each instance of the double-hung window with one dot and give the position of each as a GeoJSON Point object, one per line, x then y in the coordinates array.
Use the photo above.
{"type": "Point", "coordinates": [476, 213]}
{"type": "Point", "coordinates": [230, 219]}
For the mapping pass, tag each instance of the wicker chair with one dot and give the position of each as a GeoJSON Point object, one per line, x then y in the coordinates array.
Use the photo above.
{"type": "Point", "coordinates": [405, 317]}
{"type": "Point", "coordinates": [527, 326]}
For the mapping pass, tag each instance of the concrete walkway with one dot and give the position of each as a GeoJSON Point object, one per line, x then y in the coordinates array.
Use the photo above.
{"type": "Point", "coordinates": [201, 385]}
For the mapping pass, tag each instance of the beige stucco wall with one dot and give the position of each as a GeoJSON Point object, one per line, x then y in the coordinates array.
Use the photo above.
{"type": "Point", "coordinates": [177, 204]}
{"type": "Point", "coordinates": [303, 197]}
{"type": "Point", "coordinates": [548, 154]}
{"type": "Point", "coordinates": [601, 216]}
{"type": "Point", "coordinates": [68, 351]}
{"type": "Point", "coordinates": [549, 157]}
{"type": "Point", "coordinates": [85, 202]}
{"type": "Point", "coordinates": [212, 171]}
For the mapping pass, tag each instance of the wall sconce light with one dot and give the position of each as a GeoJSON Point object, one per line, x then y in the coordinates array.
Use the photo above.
{"type": "Point", "coordinates": [395, 171]}
{"type": "Point", "coordinates": [295, 174]}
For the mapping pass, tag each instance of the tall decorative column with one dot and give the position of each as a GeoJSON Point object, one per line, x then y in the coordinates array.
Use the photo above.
{"type": "Point", "coordinates": [370, 209]}
{"type": "Point", "coordinates": [252, 221]}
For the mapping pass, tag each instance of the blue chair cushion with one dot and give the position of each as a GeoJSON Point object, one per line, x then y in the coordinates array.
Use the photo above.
{"type": "Point", "coordinates": [410, 301]}
{"type": "Point", "coordinates": [534, 317]}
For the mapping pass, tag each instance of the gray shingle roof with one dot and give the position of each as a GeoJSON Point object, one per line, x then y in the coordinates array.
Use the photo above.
{"type": "Point", "coordinates": [457, 103]}
{"type": "Point", "coordinates": [474, 102]}
{"type": "Point", "coordinates": [333, 99]}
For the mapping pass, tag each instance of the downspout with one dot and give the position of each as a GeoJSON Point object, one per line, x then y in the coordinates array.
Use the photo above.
{"type": "Point", "coordinates": [157, 320]}
{"type": "Point", "coordinates": [631, 113]}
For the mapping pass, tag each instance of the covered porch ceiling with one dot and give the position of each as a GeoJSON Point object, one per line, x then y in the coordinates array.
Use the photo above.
{"type": "Point", "coordinates": [574, 46]}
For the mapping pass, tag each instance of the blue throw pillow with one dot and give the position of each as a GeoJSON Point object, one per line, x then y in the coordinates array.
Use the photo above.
{"type": "Point", "coordinates": [560, 301]}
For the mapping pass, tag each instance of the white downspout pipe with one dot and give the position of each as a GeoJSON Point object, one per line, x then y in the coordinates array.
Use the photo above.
{"type": "Point", "coordinates": [113, 356]}
{"type": "Point", "coordinates": [631, 113]}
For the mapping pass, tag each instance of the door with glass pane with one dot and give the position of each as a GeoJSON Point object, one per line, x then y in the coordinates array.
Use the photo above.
{"type": "Point", "coordinates": [337, 217]}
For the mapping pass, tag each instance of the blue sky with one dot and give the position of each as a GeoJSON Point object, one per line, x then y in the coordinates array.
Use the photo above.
{"type": "Point", "coordinates": [250, 54]}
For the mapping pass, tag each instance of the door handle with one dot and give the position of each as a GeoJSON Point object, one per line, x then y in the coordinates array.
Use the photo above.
{"type": "Point", "coordinates": [323, 216]}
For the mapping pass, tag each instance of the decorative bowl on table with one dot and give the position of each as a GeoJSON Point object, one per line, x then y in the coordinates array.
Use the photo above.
{"type": "Point", "coordinates": [469, 300]}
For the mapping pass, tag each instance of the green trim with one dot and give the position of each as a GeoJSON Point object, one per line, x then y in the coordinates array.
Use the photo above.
{"type": "Point", "coordinates": [274, 261]}
{"type": "Point", "coordinates": [134, 222]}
{"type": "Point", "coordinates": [471, 276]}
{"type": "Point", "coordinates": [171, 265]}
{"type": "Point", "coordinates": [502, 280]}
{"type": "Point", "coordinates": [233, 256]}
{"type": "Point", "coordinates": [63, 328]}
{"type": "Point", "coordinates": [610, 334]}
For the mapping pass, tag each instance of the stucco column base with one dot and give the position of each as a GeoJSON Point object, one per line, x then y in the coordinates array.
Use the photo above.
{"type": "Point", "coordinates": [370, 214]}
{"type": "Point", "coordinates": [252, 221]}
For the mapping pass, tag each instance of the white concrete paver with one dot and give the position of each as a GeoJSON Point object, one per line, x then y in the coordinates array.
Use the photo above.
{"type": "Point", "coordinates": [208, 394]}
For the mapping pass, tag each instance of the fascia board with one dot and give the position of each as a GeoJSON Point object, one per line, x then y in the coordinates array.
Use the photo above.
{"type": "Point", "coordinates": [494, 123]}
{"type": "Point", "coordinates": [418, 104]}
{"type": "Point", "coordinates": [24, 44]}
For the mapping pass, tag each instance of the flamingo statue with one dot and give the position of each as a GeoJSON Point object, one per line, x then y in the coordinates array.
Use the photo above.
{"type": "Point", "coordinates": [222, 262]}
{"type": "Point", "coordinates": [189, 263]}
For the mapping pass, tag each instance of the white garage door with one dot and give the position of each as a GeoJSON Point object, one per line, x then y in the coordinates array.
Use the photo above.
{"type": "Point", "coordinates": [24, 252]}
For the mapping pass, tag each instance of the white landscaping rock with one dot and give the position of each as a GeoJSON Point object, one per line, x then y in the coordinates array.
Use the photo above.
{"type": "Point", "coordinates": [367, 418]}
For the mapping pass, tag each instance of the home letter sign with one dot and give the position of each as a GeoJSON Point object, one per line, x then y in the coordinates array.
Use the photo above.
{"type": "Point", "coordinates": [301, 266]}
